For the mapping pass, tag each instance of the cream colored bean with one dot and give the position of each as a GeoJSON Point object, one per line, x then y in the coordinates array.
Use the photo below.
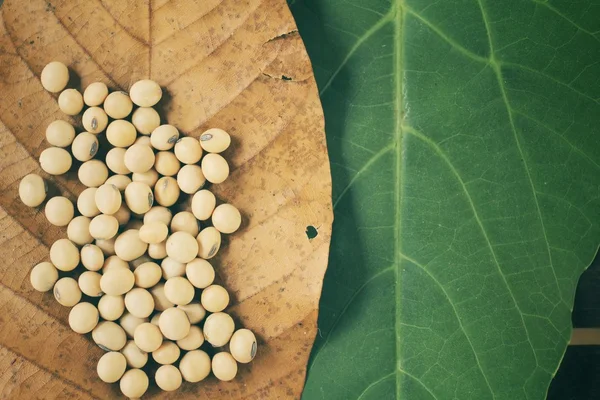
{"type": "Point", "coordinates": [139, 197]}
{"type": "Point", "coordinates": [95, 93]}
{"type": "Point", "coordinates": [111, 367]}
{"type": "Point", "coordinates": [215, 168]}
{"type": "Point", "coordinates": [43, 276]}
{"type": "Point", "coordinates": [171, 268]}
{"type": "Point", "coordinates": [195, 366]}
{"type": "Point", "coordinates": [59, 211]}
{"type": "Point", "coordinates": [128, 245]}
{"type": "Point", "coordinates": [167, 353]}
{"type": "Point", "coordinates": [121, 133]}
{"type": "Point", "coordinates": [161, 302]}
{"type": "Point", "coordinates": [190, 179]}
{"type": "Point", "coordinates": [203, 204]}
{"type": "Point", "coordinates": [158, 214]}
{"type": "Point", "coordinates": [154, 232]}
{"type": "Point", "coordinates": [83, 317]}
{"type": "Point", "coordinates": [144, 140]}
{"type": "Point", "coordinates": [109, 336]}
{"type": "Point", "coordinates": [185, 221]}
{"type": "Point", "coordinates": [139, 302]}
{"type": "Point", "coordinates": [188, 150]}
{"type": "Point", "coordinates": [55, 76]}
{"type": "Point", "coordinates": [55, 160]}
{"type": "Point", "coordinates": [135, 357]}
{"type": "Point", "coordinates": [104, 227]}
{"type": "Point", "coordinates": [134, 223]}
{"type": "Point", "coordinates": [92, 257]}
{"type": "Point", "coordinates": [158, 251]}
{"type": "Point", "coordinates": [155, 318]}
{"type": "Point", "coordinates": [145, 120]}
{"type": "Point", "coordinates": [166, 163]}
{"type": "Point", "coordinates": [86, 203]}
{"type": "Point", "coordinates": [193, 340]}
{"type": "Point", "coordinates": [243, 345]}
{"type": "Point", "coordinates": [120, 181]}
{"type": "Point", "coordinates": [182, 247]}
{"type": "Point", "coordinates": [118, 105]}
{"type": "Point", "coordinates": [115, 161]}
{"type": "Point", "coordinates": [166, 191]}
{"type": "Point", "coordinates": [89, 283]}
{"type": "Point", "coordinates": [168, 378]}
{"type": "Point", "coordinates": [108, 199]}
{"type": "Point", "coordinates": [149, 177]}
{"type": "Point", "coordinates": [147, 337]}
{"type": "Point", "coordinates": [145, 93]}
{"type": "Point", "coordinates": [66, 292]}
{"type": "Point", "coordinates": [92, 173]}
{"type": "Point", "coordinates": [85, 146]}
{"type": "Point", "coordinates": [194, 311]}
{"type": "Point", "coordinates": [224, 366]}
{"type": "Point", "coordinates": [214, 298]}
{"type": "Point", "coordinates": [110, 307]}
{"type": "Point", "coordinates": [94, 120]}
{"type": "Point", "coordinates": [114, 262]}
{"type": "Point", "coordinates": [174, 324]}
{"type": "Point", "coordinates": [70, 101]}
{"type": "Point", "coordinates": [123, 214]}
{"type": "Point", "coordinates": [141, 260]}
{"type": "Point", "coordinates": [129, 323]}
{"type": "Point", "coordinates": [226, 218]}
{"type": "Point", "coordinates": [139, 158]}
{"type": "Point", "coordinates": [200, 273]}
{"type": "Point", "coordinates": [209, 242]}
{"type": "Point", "coordinates": [60, 133]}
{"type": "Point", "coordinates": [164, 137]}
{"type": "Point", "coordinates": [32, 190]}
{"type": "Point", "coordinates": [116, 281]}
{"type": "Point", "coordinates": [147, 275]}
{"type": "Point", "coordinates": [134, 383]}
{"type": "Point", "coordinates": [179, 290]}
{"type": "Point", "coordinates": [218, 329]}
{"type": "Point", "coordinates": [107, 246]}
{"type": "Point", "coordinates": [215, 140]}
{"type": "Point", "coordinates": [64, 255]}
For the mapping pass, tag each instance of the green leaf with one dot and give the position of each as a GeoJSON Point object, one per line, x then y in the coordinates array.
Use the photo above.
{"type": "Point", "coordinates": [464, 138]}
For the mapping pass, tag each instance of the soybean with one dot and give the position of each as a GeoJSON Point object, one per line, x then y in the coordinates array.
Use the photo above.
{"type": "Point", "coordinates": [85, 146]}
{"type": "Point", "coordinates": [32, 190]}
{"type": "Point", "coordinates": [194, 311]}
{"type": "Point", "coordinates": [188, 150]}
{"type": "Point", "coordinates": [215, 168]}
{"type": "Point", "coordinates": [147, 337]}
{"type": "Point", "coordinates": [86, 203]}
{"type": "Point", "coordinates": [139, 197]}
{"type": "Point", "coordinates": [179, 290]}
{"type": "Point", "coordinates": [195, 366]}
{"type": "Point", "coordinates": [66, 292]}
{"type": "Point", "coordinates": [134, 383]}
{"type": "Point", "coordinates": [83, 318]}
{"type": "Point", "coordinates": [59, 211]}
{"type": "Point", "coordinates": [139, 302]}
{"type": "Point", "coordinates": [95, 93]}
{"type": "Point", "coordinates": [218, 329]}
{"type": "Point", "coordinates": [145, 93]}
{"type": "Point", "coordinates": [130, 322]}
{"type": "Point", "coordinates": [226, 218]}
{"type": "Point", "coordinates": [209, 242]}
{"type": "Point", "coordinates": [214, 298]}
{"type": "Point", "coordinates": [168, 378]}
{"type": "Point", "coordinates": [60, 133]}
{"type": "Point", "coordinates": [154, 232]}
{"type": "Point", "coordinates": [120, 181]}
{"type": "Point", "coordinates": [200, 273]}
{"type": "Point", "coordinates": [224, 366]}
{"type": "Point", "coordinates": [203, 204]}
{"type": "Point", "coordinates": [161, 302]}
{"type": "Point", "coordinates": [136, 358]}
{"type": "Point", "coordinates": [55, 160]}
{"type": "Point", "coordinates": [109, 336]}
{"type": "Point", "coordinates": [128, 245]}
{"type": "Point", "coordinates": [111, 307]}
{"type": "Point", "coordinates": [70, 101]}
{"type": "Point", "coordinates": [171, 267]}
{"type": "Point", "coordinates": [145, 120]}
{"type": "Point", "coordinates": [167, 353]}
{"type": "Point", "coordinates": [117, 281]}
{"type": "Point", "coordinates": [243, 345]}
{"type": "Point", "coordinates": [108, 199]}
{"type": "Point", "coordinates": [190, 179]}
{"type": "Point", "coordinates": [104, 227]}
{"type": "Point", "coordinates": [166, 191]}
{"type": "Point", "coordinates": [55, 76]}
{"type": "Point", "coordinates": [118, 105]}
{"type": "Point", "coordinates": [89, 284]}
{"type": "Point", "coordinates": [139, 158]}
{"type": "Point", "coordinates": [92, 257]}
{"type": "Point", "coordinates": [166, 163]}
{"type": "Point", "coordinates": [115, 161]}
{"type": "Point", "coordinates": [121, 133]}
{"type": "Point", "coordinates": [147, 275]}
{"type": "Point", "coordinates": [215, 140]}
{"type": "Point", "coordinates": [182, 247]}
{"type": "Point", "coordinates": [174, 324]}
{"type": "Point", "coordinates": [43, 276]}
{"type": "Point", "coordinates": [93, 173]}
{"type": "Point", "coordinates": [111, 366]}
{"type": "Point", "coordinates": [158, 214]}
{"type": "Point", "coordinates": [149, 177]}
{"type": "Point", "coordinates": [164, 137]}
{"type": "Point", "coordinates": [185, 221]}
{"type": "Point", "coordinates": [94, 120]}
{"type": "Point", "coordinates": [64, 255]}
{"type": "Point", "coordinates": [193, 340]}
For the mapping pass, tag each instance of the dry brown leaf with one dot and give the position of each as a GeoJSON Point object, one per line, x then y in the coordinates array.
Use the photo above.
{"type": "Point", "coordinates": [239, 65]}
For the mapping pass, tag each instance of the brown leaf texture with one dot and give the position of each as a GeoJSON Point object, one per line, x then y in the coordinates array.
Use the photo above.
{"type": "Point", "coordinates": [238, 65]}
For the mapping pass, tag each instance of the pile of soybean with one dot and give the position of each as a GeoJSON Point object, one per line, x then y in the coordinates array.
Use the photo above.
{"type": "Point", "coordinates": [136, 276]}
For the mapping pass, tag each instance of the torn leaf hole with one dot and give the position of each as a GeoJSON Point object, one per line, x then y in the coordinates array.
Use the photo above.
{"type": "Point", "coordinates": [311, 232]}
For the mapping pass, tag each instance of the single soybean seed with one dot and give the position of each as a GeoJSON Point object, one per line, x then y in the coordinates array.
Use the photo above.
{"type": "Point", "coordinates": [128, 245]}
{"type": "Point", "coordinates": [92, 173]}
{"type": "Point", "coordinates": [203, 204]}
{"type": "Point", "coordinates": [195, 366]}
{"type": "Point", "coordinates": [145, 93]}
{"type": "Point", "coordinates": [161, 302]}
{"type": "Point", "coordinates": [147, 275]}
{"type": "Point", "coordinates": [167, 353]}
{"type": "Point", "coordinates": [130, 322]}
{"type": "Point", "coordinates": [83, 317]}
{"type": "Point", "coordinates": [215, 168]}
{"type": "Point", "coordinates": [118, 105]}
{"type": "Point", "coordinates": [115, 161]}
{"type": "Point", "coordinates": [171, 267]}
{"type": "Point", "coordinates": [158, 214]}
{"type": "Point", "coordinates": [55, 76]}
{"type": "Point", "coordinates": [117, 281]}
{"type": "Point", "coordinates": [59, 211]}
{"type": "Point", "coordinates": [94, 120]}
{"type": "Point", "coordinates": [120, 181]}
{"type": "Point", "coordinates": [139, 302]}
{"type": "Point", "coordinates": [166, 163]}
{"type": "Point", "coordinates": [89, 283]}
{"type": "Point", "coordinates": [179, 290]}
{"type": "Point", "coordinates": [224, 366]}
{"type": "Point", "coordinates": [243, 345]}
{"type": "Point", "coordinates": [55, 160]}
{"type": "Point", "coordinates": [182, 247]}
{"type": "Point", "coordinates": [194, 311]}
{"type": "Point", "coordinates": [193, 340]}
{"type": "Point", "coordinates": [134, 224]}
{"type": "Point", "coordinates": [156, 318]}
{"type": "Point", "coordinates": [153, 232]}
{"type": "Point", "coordinates": [147, 337]}
{"type": "Point", "coordinates": [43, 276]}
{"type": "Point", "coordinates": [190, 179]}
{"type": "Point", "coordinates": [145, 140]}
{"type": "Point", "coordinates": [209, 242]}
{"type": "Point", "coordinates": [123, 214]}
{"type": "Point", "coordinates": [226, 218]}
{"type": "Point", "coordinates": [85, 146]}
{"type": "Point", "coordinates": [139, 197]}
{"type": "Point", "coordinates": [111, 307]}
{"type": "Point", "coordinates": [164, 137]}
{"type": "Point", "coordinates": [168, 378]}
{"type": "Point", "coordinates": [114, 262]}
{"type": "Point", "coordinates": [200, 273]}
{"type": "Point", "coordinates": [108, 199]}
{"type": "Point", "coordinates": [32, 190]}
{"type": "Point", "coordinates": [66, 291]}
{"type": "Point", "coordinates": [166, 191]}
{"type": "Point", "coordinates": [139, 158]}
{"type": "Point", "coordinates": [158, 251]}
{"type": "Point", "coordinates": [64, 255]}
{"type": "Point", "coordinates": [109, 336]}
{"type": "Point", "coordinates": [92, 257]}
{"type": "Point", "coordinates": [111, 367]}
{"type": "Point", "coordinates": [185, 221]}
{"type": "Point", "coordinates": [149, 177]}
{"type": "Point", "coordinates": [145, 120]}
{"type": "Point", "coordinates": [134, 383]}
{"type": "Point", "coordinates": [121, 133]}
{"type": "Point", "coordinates": [95, 93]}
{"type": "Point", "coordinates": [215, 140]}
{"type": "Point", "coordinates": [218, 329]}
{"type": "Point", "coordinates": [107, 246]}
{"type": "Point", "coordinates": [214, 298]}
{"type": "Point", "coordinates": [60, 133]}
{"type": "Point", "coordinates": [188, 150]}
{"type": "Point", "coordinates": [136, 358]}
{"type": "Point", "coordinates": [70, 101]}
{"type": "Point", "coordinates": [174, 324]}
{"type": "Point", "coordinates": [104, 227]}
{"type": "Point", "coordinates": [86, 203]}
